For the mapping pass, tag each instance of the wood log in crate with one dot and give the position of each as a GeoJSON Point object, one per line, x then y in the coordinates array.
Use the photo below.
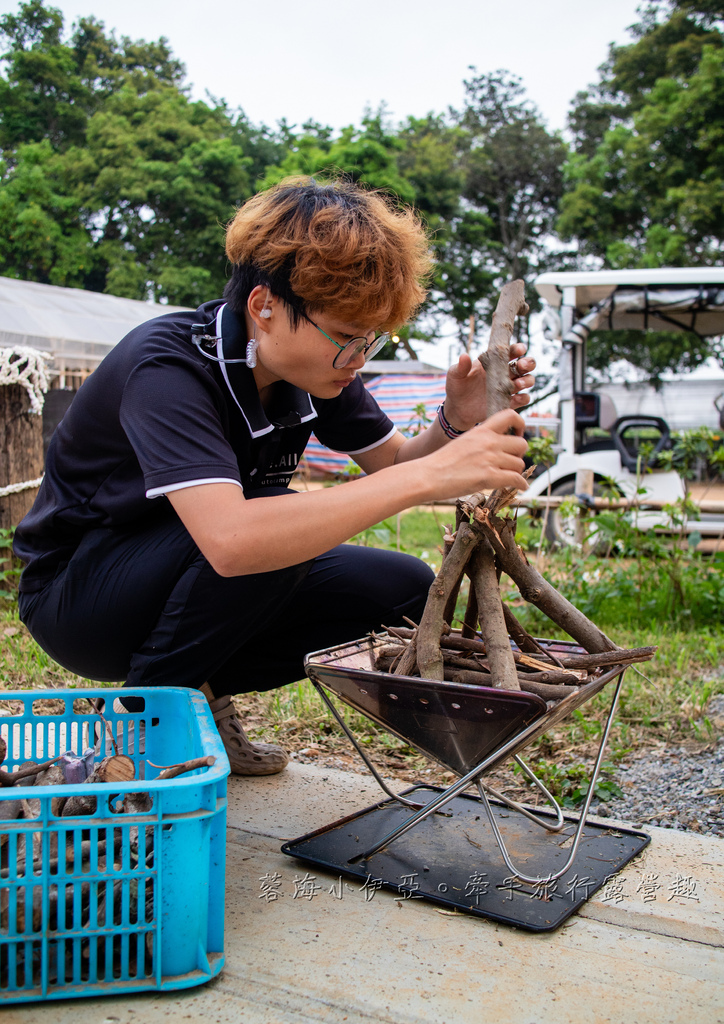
{"type": "Point", "coordinates": [78, 901]}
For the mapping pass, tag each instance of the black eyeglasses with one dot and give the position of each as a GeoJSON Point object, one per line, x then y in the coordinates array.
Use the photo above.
{"type": "Point", "coordinates": [354, 347]}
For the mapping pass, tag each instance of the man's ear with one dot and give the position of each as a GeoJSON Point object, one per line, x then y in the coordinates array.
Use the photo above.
{"type": "Point", "coordinates": [261, 307]}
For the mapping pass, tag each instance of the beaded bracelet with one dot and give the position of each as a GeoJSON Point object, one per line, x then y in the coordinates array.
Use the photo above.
{"type": "Point", "coordinates": [448, 429]}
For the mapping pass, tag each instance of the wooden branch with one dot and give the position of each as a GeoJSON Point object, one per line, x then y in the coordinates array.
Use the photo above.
{"type": "Point", "coordinates": [621, 656]}
{"type": "Point", "coordinates": [187, 766]}
{"type": "Point", "coordinates": [457, 675]}
{"type": "Point", "coordinates": [499, 386]}
{"type": "Point", "coordinates": [470, 621]}
{"type": "Point", "coordinates": [448, 539]}
{"type": "Point", "coordinates": [429, 659]}
{"type": "Point", "coordinates": [492, 620]}
{"type": "Point", "coordinates": [385, 660]}
{"type": "Point", "coordinates": [496, 360]}
{"type": "Point", "coordinates": [618, 656]}
{"type": "Point", "coordinates": [537, 590]}
{"type": "Point", "coordinates": [518, 633]}
{"type": "Point", "coordinates": [407, 665]}
{"type": "Point", "coordinates": [106, 723]}
{"type": "Point", "coordinates": [27, 772]}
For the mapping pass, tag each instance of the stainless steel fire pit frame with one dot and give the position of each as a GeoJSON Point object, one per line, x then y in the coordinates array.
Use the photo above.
{"type": "Point", "coordinates": [342, 667]}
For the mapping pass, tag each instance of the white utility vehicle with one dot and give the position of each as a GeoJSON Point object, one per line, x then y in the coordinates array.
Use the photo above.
{"type": "Point", "coordinates": [577, 303]}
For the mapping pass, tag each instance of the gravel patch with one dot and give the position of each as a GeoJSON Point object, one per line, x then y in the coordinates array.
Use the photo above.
{"type": "Point", "coordinates": [675, 788]}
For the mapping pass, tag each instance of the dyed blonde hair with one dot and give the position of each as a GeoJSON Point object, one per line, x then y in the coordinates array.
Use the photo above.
{"type": "Point", "coordinates": [332, 247]}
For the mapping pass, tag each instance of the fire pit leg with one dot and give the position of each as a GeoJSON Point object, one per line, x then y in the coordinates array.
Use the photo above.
{"type": "Point", "coordinates": [555, 826]}
{"type": "Point", "coordinates": [350, 736]}
{"type": "Point", "coordinates": [473, 776]}
{"type": "Point", "coordinates": [532, 880]}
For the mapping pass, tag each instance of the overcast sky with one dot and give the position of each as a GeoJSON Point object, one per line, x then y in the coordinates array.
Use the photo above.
{"type": "Point", "coordinates": [300, 60]}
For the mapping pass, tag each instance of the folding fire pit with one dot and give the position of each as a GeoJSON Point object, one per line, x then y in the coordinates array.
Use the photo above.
{"type": "Point", "coordinates": [491, 857]}
{"type": "Point", "coordinates": [469, 700]}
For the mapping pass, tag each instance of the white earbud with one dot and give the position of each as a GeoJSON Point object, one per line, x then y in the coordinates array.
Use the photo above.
{"type": "Point", "coordinates": [265, 313]}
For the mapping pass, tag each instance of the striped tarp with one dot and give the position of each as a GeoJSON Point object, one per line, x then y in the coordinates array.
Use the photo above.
{"type": "Point", "coordinates": [409, 400]}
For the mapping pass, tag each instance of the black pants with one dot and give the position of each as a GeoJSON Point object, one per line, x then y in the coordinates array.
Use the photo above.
{"type": "Point", "coordinates": [144, 606]}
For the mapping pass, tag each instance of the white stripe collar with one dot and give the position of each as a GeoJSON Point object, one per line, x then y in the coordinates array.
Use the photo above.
{"type": "Point", "coordinates": [231, 344]}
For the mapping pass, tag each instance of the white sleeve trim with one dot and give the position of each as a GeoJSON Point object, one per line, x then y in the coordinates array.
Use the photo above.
{"type": "Point", "coordinates": [359, 451]}
{"type": "Point", "coordinates": [158, 492]}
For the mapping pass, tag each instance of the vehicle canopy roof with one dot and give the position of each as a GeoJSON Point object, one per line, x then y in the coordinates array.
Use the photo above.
{"type": "Point", "coordinates": [663, 299]}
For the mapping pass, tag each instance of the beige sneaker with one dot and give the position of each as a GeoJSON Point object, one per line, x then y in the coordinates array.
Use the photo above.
{"type": "Point", "coordinates": [245, 757]}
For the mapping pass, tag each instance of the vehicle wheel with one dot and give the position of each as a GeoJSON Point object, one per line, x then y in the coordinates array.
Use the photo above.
{"type": "Point", "coordinates": [561, 527]}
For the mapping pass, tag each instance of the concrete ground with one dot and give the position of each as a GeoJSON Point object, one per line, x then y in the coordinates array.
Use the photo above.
{"type": "Point", "coordinates": [648, 949]}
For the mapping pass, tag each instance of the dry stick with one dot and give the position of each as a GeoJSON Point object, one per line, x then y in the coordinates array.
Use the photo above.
{"type": "Point", "coordinates": [385, 660]}
{"type": "Point", "coordinates": [521, 636]}
{"type": "Point", "coordinates": [449, 613]}
{"type": "Point", "coordinates": [106, 723]}
{"type": "Point", "coordinates": [484, 579]}
{"type": "Point", "coordinates": [12, 778]}
{"type": "Point", "coordinates": [407, 664]}
{"type": "Point", "coordinates": [619, 656]}
{"type": "Point", "coordinates": [429, 658]}
{"type": "Point", "coordinates": [524, 640]}
{"type": "Point", "coordinates": [402, 634]}
{"type": "Point", "coordinates": [483, 572]}
{"type": "Point", "coordinates": [187, 766]}
{"type": "Point", "coordinates": [496, 361]}
{"type": "Point", "coordinates": [456, 675]}
{"type": "Point", "coordinates": [470, 622]}
{"type": "Point", "coordinates": [448, 539]}
{"type": "Point", "coordinates": [537, 590]}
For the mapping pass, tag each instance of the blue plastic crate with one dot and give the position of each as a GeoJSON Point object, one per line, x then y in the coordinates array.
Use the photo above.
{"type": "Point", "coordinates": [73, 924]}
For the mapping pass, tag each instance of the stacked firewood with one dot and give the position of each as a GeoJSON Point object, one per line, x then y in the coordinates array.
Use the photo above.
{"type": "Point", "coordinates": [544, 672]}
{"type": "Point", "coordinates": [482, 546]}
{"type": "Point", "coordinates": [91, 877]}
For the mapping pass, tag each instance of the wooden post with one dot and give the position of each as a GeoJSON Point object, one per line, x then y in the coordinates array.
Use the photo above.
{"type": "Point", "coordinates": [21, 452]}
{"type": "Point", "coordinates": [584, 485]}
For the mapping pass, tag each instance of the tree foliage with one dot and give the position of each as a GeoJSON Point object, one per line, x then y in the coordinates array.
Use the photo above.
{"type": "Point", "coordinates": [511, 168]}
{"type": "Point", "coordinates": [645, 184]}
{"type": "Point", "coordinates": [113, 179]}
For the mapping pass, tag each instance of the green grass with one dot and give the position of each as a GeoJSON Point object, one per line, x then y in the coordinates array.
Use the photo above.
{"type": "Point", "coordinates": [417, 532]}
{"type": "Point", "coordinates": [662, 701]}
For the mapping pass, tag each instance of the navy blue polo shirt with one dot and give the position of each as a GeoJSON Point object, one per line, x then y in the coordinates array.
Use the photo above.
{"type": "Point", "coordinates": [157, 415]}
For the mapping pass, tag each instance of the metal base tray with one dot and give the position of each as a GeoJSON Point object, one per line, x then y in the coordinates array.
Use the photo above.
{"type": "Point", "coordinates": [452, 859]}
